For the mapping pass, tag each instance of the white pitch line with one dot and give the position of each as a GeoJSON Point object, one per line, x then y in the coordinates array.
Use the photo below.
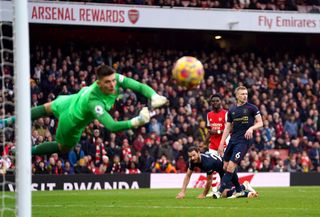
{"type": "Point", "coordinates": [175, 207]}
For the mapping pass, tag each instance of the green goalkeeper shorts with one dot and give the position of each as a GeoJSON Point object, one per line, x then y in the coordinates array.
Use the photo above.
{"type": "Point", "coordinates": [68, 134]}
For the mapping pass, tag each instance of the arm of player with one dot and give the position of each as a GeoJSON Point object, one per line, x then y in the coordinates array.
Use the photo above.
{"type": "Point", "coordinates": [142, 118]}
{"type": "Point", "coordinates": [115, 126]}
{"type": "Point", "coordinates": [258, 124]}
{"type": "Point", "coordinates": [225, 134]}
{"type": "Point", "coordinates": [207, 187]}
{"type": "Point", "coordinates": [207, 140]}
{"type": "Point", "coordinates": [145, 90]}
{"type": "Point", "coordinates": [112, 125]}
{"type": "Point", "coordinates": [186, 181]}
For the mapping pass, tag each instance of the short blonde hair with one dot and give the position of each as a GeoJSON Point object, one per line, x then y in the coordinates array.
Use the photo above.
{"type": "Point", "coordinates": [240, 88]}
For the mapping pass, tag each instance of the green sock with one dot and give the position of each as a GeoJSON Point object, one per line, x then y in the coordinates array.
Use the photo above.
{"type": "Point", "coordinates": [45, 148]}
{"type": "Point", "coordinates": [38, 112]}
{"type": "Point", "coordinates": [9, 120]}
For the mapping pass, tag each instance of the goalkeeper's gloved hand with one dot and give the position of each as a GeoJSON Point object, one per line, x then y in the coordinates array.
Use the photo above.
{"type": "Point", "coordinates": [158, 101]}
{"type": "Point", "coordinates": [142, 118]}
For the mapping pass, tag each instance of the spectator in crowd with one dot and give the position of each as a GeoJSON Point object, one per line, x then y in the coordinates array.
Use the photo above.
{"type": "Point", "coordinates": [266, 166]}
{"type": "Point", "coordinates": [75, 155]}
{"type": "Point", "coordinates": [314, 154]}
{"type": "Point", "coordinates": [181, 165]}
{"type": "Point", "coordinates": [100, 151]}
{"type": "Point", "coordinates": [60, 168]}
{"type": "Point", "coordinates": [147, 162]}
{"type": "Point", "coordinates": [40, 168]}
{"type": "Point", "coordinates": [309, 129]}
{"type": "Point", "coordinates": [116, 166]}
{"type": "Point", "coordinates": [155, 127]}
{"type": "Point", "coordinates": [295, 148]}
{"type": "Point", "coordinates": [51, 167]}
{"type": "Point", "coordinates": [68, 169]}
{"type": "Point", "coordinates": [291, 127]}
{"type": "Point", "coordinates": [163, 165]}
{"type": "Point", "coordinates": [82, 166]}
{"type": "Point", "coordinates": [138, 143]}
{"type": "Point", "coordinates": [305, 162]}
{"type": "Point", "coordinates": [104, 167]}
{"type": "Point", "coordinates": [132, 169]}
{"type": "Point", "coordinates": [202, 131]}
{"type": "Point", "coordinates": [293, 166]}
{"type": "Point", "coordinates": [279, 167]}
{"type": "Point", "coordinates": [258, 143]}
{"type": "Point", "coordinates": [268, 134]}
{"type": "Point", "coordinates": [87, 145]}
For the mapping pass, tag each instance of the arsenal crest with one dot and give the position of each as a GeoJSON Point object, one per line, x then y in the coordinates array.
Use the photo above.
{"type": "Point", "coordinates": [133, 15]}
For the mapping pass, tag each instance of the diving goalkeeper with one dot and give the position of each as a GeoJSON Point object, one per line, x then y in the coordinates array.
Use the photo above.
{"type": "Point", "coordinates": [76, 111]}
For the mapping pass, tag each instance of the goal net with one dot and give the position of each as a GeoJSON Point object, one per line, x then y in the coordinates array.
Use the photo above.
{"type": "Point", "coordinates": [7, 108]}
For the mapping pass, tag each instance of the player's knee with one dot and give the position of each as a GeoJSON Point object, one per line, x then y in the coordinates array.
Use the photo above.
{"type": "Point", "coordinates": [63, 149]}
{"type": "Point", "coordinates": [231, 167]}
{"type": "Point", "coordinates": [48, 108]}
{"type": "Point", "coordinates": [225, 166]}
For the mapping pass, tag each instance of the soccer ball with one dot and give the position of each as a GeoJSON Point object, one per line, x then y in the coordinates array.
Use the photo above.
{"type": "Point", "coordinates": [188, 72]}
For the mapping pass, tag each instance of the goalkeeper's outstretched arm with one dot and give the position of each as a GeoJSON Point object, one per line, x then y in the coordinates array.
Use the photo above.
{"type": "Point", "coordinates": [115, 126]}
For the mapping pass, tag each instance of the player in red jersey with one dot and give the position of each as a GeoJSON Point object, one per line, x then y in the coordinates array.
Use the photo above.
{"type": "Point", "coordinates": [216, 120]}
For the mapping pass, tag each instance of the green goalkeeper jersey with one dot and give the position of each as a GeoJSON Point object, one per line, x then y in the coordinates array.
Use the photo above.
{"type": "Point", "coordinates": [76, 111]}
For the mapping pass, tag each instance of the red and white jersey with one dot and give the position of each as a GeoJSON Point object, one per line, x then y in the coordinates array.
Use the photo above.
{"type": "Point", "coordinates": [216, 121]}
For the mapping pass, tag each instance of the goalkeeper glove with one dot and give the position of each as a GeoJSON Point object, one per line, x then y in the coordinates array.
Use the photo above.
{"type": "Point", "coordinates": [158, 101]}
{"type": "Point", "coordinates": [143, 118]}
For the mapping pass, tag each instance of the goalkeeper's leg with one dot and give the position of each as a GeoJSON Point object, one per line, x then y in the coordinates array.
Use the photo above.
{"type": "Point", "coordinates": [67, 136]}
{"type": "Point", "coordinates": [45, 148]}
{"type": "Point", "coordinates": [48, 148]}
{"type": "Point", "coordinates": [36, 112]}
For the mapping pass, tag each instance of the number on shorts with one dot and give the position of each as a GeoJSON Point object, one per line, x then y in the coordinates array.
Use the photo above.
{"type": "Point", "coordinates": [238, 155]}
{"type": "Point", "coordinates": [216, 157]}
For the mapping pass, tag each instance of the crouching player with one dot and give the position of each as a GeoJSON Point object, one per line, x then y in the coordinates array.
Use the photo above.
{"type": "Point", "coordinates": [209, 163]}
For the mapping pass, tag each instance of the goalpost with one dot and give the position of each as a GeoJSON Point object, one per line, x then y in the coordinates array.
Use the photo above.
{"type": "Point", "coordinates": [19, 48]}
{"type": "Point", "coordinates": [23, 104]}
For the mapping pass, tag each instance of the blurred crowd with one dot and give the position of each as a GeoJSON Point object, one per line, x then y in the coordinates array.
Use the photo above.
{"type": "Point", "coordinates": [285, 88]}
{"type": "Point", "coordinates": [287, 5]}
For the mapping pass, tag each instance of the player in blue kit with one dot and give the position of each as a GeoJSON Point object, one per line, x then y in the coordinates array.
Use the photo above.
{"type": "Point", "coordinates": [242, 119]}
{"type": "Point", "coordinates": [210, 163]}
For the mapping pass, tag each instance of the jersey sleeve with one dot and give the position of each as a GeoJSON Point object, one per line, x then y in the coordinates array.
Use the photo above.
{"type": "Point", "coordinates": [98, 111]}
{"type": "Point", "coordinates": [191, 166]}
{"type": "Point", "coordinates": [208, 122]}
{"type": "Point", "coordinates": [134, 85]}
{"type": "Point", "coordinates": [255, 111]}
{"type": "Point", "coordinates": [209, 172]}
{"type": "Point", "coordinates": [229, 116]}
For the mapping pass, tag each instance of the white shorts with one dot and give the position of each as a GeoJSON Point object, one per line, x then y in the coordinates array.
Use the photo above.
{"type": "Point", "coordinates": [213, 151]}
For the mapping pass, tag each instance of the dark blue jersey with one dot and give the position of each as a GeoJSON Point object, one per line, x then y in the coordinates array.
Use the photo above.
{"type": "Point", "coordinates": [209, 163]}
{"type": "Point", "coordinates": [242, 118]}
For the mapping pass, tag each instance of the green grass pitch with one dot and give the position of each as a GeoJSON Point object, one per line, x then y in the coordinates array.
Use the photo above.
{"type": "Point", "coordinates": [273, 202]}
